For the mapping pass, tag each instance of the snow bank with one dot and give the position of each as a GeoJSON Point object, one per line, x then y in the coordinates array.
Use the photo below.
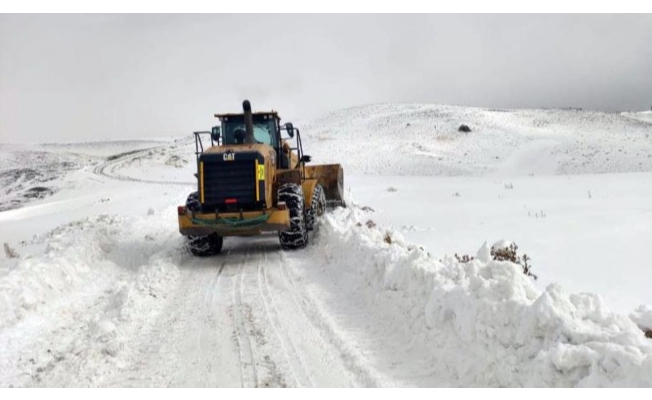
{"type": "Point", "coordinates": [79, 304]}
{"type": "Point", "coordinates": [642, 316]}
{"type": "Point", "coordinates": [484, 322]}
{"type": "Point", "coordinates": [118, 252]}
{"type": "Point", "coordinates": [67, 263]}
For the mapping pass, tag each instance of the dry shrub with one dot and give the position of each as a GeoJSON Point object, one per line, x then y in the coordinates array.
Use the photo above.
{"type": "Point", "coordinates": [464, 259]}
{"type": "Point", "coordinates": [369, 224]}
{"type": "Point", "coordinates": [648, 334]}
{"type": "Point", "coordinates": [9, 252]}
{"type": "Point", "coordinates": [387, 238]}
{"type": "Point", "coordinates": [510, 254]}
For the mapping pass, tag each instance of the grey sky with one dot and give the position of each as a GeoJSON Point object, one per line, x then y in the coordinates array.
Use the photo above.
{"type": "Point", "coordinates": [89, 77]}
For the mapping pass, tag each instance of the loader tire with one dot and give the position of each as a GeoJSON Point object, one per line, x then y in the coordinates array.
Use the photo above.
{"type": "Point", "coordinates": [317, 207]}
{"type": "Point", "coordinates": [297, 236]}
{"type": "Point", "coordinates": [203, 246]}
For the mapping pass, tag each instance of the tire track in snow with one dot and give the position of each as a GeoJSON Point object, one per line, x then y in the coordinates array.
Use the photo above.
{"type": "Point", "coordinates": [205, 336]}
{"type": "Point", "coordinates": [268, 356]}
{"type": "Point", "coordinates": [325, 330]}
{"type": "Point", "coordinates": [295, 362]}
{"type": "Point", "coordinates": [245, 352]}
{"type": "Point", "coordinates": [184, 344]}
{"type": "Point", "coordinates": [284, 333]}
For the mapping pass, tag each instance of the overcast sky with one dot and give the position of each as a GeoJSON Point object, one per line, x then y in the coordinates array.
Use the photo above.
{"type": "Point", "coordinates": [89, 77]}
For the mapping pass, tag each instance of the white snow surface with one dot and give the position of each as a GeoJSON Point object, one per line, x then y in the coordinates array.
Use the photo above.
{"type": "Point", "coordinates": [423, 140]}
{"type": "Point", "coordinates": [97, 289]}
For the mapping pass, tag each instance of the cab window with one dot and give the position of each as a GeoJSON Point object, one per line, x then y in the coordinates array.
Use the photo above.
{"type": "Point", "coordinates": [264, 132]}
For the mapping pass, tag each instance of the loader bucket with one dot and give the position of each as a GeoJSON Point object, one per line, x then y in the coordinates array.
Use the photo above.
{"type": "Point", "coordinates": [331, 178]}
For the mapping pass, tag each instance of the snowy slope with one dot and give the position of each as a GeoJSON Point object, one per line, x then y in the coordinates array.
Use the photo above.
{"type": "Point", "coordinates": [644, 116]}
{"type": "Point", "coordinates": [29, 172]}
{"type": "Point", "coordinates": [98, 290]}
{"type": "Point", "coordinates": [422, 139]}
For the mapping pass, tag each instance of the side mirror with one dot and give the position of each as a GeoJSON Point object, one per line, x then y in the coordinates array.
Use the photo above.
{"type": "Point", "coordinates": [290, 129]}
{"type": "Point", "coordinates": [215, 133]}
{"type": "Point", "coordinates": [305, 159]}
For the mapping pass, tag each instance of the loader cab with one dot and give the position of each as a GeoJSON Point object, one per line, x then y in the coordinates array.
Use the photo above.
{"type": "Point", "coordinates": [266, 129]}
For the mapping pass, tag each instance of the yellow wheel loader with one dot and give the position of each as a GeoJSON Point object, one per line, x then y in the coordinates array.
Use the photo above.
{"type": "Point", "coordinates": [252, 180]}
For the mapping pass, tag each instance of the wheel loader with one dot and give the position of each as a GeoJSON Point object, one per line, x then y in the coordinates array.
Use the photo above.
{"type": "Point", "coordinates": [252, 180]}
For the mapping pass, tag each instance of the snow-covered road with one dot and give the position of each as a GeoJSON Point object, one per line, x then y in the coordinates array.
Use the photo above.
{"type": "Point", "coordinates": [236, 321]}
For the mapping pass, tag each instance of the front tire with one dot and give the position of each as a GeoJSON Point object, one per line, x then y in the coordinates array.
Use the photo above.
{"type": "Point", "coordinates": [317, 207]}
{"type": "Point", "coordinates": [297, 236]}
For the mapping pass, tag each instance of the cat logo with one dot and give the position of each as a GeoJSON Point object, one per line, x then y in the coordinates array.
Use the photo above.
{"type": "Point", "coordinates": [229, 156]}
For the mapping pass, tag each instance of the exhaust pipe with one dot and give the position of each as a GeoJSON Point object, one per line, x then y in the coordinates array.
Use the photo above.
{"type": "Point", "coordinates": [249, 122]}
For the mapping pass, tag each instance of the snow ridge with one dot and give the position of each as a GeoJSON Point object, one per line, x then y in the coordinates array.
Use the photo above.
{"type": "Point", "coordinates": [67, 316]}
{"type": "Point", "coordinates": [484, 323]}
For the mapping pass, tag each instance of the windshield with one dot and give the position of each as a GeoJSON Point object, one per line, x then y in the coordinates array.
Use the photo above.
{"type": "Point", "coordinates": [264, 132]}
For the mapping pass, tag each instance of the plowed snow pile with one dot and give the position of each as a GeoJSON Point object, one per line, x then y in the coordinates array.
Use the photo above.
{"type": "Point", "coordinates": [68, 317]}
{"type": "Point", "coordinates": [483, 323]}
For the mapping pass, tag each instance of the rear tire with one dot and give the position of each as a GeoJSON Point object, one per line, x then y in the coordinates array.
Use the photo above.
{"type": "Point", "coordinates": [317, 207]}
{"type": "Point", "coordinates": [297, 236]}
{"type": "Point", "coordinates": [202, 246]}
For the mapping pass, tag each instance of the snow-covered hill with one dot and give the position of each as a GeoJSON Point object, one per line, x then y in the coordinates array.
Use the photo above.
{"type": "Point", "coordinates": [96, 288]}
{"type": "Point", "coordinates": [422, 139]}
{"type": "Point", "coordinates": [36, 171]}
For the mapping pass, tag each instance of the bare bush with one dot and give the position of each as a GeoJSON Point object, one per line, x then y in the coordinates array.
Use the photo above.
{"type": "Point", "coordinates": [9, 252]}
{"type": "Point", "coordinates": [464, 259]}
{"type": "Point", "coordinates": [510, 254]}
{"type": "Point", "coordinates": [369, 224]}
